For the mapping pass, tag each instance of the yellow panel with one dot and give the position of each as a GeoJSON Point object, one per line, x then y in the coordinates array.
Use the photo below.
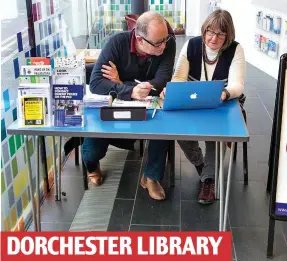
{"type": "Point", "coordinates": [25, 199]}
{"type": "Point", "coordinates": [26, 174]}
{"type": "Point", "coordinates": [13, 217]}
{"type": "Point", "coordinates": [19, 184]}
{"type": "Point", "coordinates": [7, 226]}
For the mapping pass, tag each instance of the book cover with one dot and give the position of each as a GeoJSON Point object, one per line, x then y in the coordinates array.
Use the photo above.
{"type": "Point", "coordinates": [34, 111]}
{"type": "Point", "coordinates": [38, 61]}
{"type": "Point", "coordinates": [35, 91]}
{"type": "Point", "coordinates": [68, 105]}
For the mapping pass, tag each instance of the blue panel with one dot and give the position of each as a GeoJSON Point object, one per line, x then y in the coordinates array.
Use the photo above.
{"type": "Point", "coordinates": [20, 42]}
{"type": "Point", "coordinates": [38, 50]}
{"type": "Point", "coordinates": [27, 54]}
{"type": "Point", "coordinates": [60, 21]}
{"type": "Point", "coordinates": [16, 68]}
{"type": "Point", "coordinates": [6, 100]}
{"type": "Point", "coordinates": [45, 24]}
{"type": "Point", "coordinates": [14, 112]}
{"type": "Point", "coordinates": [49, 27]}
{"type": "Point", "coordinates": [55, 42]}
{"type": "Point", "coordinates": [47, 47]}
{"type": "Point", "coordinates": [65, 51]}
{"type": "Point", "coordinates": [3, 130]}
{"type": "Point", "coordinates": [58, 41]}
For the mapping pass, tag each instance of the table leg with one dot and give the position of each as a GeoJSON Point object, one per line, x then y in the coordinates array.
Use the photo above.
{"type": "Point", "coordinates": [228, 185]}
{"type": "Point", "coordinates": [31, 183]}
{"type": "Point", "coordinates": [59, 168]}
{"type": "Point", "coordinates": [216, 187]}
{"type": "Point", "coordinates": [221, 186]}
{"type": "Point", "coordinates": [55, 169]}
{"type": "Point", "coordinates": [37, 146]}
{"type": "Point", "coordinates": [171, 158]}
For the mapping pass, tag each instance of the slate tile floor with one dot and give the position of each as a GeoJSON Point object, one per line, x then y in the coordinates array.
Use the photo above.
{"type": "Point", "coordinates": [248, 213]}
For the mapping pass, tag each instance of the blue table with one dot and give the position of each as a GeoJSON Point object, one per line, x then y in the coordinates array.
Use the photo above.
{"type": "Point", "coordinates": [223, 124]}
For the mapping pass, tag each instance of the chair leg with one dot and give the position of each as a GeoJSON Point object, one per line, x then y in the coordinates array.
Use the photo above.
{"type": "Point", "coordinates": [235, 151]}
{"type": "Point", "coordinates": [141, 147]}
{"type": "Point", "coordinates": [77, 156]}
{"type": "Point", "coordinates": [84, 171]}
{"type": "Point", "coordinates": [245, 163]}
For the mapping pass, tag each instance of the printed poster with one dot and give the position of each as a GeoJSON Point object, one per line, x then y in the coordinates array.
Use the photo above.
{"type": "Point", "coordinates": [281, 194]}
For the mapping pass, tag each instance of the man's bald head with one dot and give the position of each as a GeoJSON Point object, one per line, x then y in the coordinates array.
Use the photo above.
{"type": "Point", "coordinates": [146, 21]}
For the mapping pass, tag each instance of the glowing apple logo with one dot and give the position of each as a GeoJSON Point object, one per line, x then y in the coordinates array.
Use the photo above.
{"type": "Point", "coordinates": [193, 96]}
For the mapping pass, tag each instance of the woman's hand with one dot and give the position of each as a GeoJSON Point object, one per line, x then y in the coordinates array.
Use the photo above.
{"type": "Point", "coordinates": [223, 96]}
{"type": "Point", "coordinates": [111, 72]}
{"type": "Point", "coordinates": [162, 94]}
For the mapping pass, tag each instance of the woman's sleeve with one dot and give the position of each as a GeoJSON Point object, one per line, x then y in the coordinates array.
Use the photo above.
{"type": "Point", "coordinates": [236, 74]}
{"type": "Point", "coordinates": [182, 66]}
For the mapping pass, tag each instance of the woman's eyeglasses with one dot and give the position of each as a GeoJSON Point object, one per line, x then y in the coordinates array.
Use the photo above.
{"type": "Point", "coordinates": [158, 44]}
{"type": "Point", "coordinates": [212, 33]}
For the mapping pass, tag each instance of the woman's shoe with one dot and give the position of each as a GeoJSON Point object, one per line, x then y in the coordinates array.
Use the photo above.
{"type": "Point", "coordinates": [96, 177]}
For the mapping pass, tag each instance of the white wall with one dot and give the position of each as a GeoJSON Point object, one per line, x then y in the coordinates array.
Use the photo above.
{"type": "Point", "coordinates": [244, 16]}
{"type": "Point", "coordinates": [196, 13]}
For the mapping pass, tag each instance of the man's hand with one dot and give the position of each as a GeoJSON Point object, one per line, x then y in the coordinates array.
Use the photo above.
{"type": "Point", "coordinates": [141, 91]}
{"type": "Point", "coordinates": [111, 72]}
{"type": "Point", "coordinates": [223, 96]}
{"type": "Point", "coordinates": [162, 94]}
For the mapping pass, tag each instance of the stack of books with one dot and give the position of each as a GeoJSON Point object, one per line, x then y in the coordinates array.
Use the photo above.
{"type": "Point", "coordinates": [34, 93]}
{"type": "Point", "coordinates": [68, 91]}
{"type": "Point", "coordinates": [95, 100]}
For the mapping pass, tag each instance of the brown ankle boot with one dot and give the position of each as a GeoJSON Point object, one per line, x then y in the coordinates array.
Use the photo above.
{"type": "Point", "coordinates": [155, 190]}
{"type": "Point", "coordinates": [96, 177]}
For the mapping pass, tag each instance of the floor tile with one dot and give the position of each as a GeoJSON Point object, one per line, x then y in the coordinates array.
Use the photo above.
{"type": "Point", "coordinates": [121, 215]}
{"type": "Point", "coordinates": [129, 180]}
{"type": "Point", "coordinates": [66, 209]}
{"type": "Point", "coordinates": [253, 207]}
{"type": "Point", "coordinates": [153, 228]}
{"type": "Point", "coordinates": [52, 226]}
{"type": "Point", "coordinates": [197, 217]}
{"type": "Point", "coordinates": [251, 244]}
{"type": "Point", "coordinates": [267, 96]}
{"type": "Point", "coordinates": [154, 212]}
{"type": "Point", "coordinates": [260, 146]}
{"type": "Point", "coordinates": [189, 181]}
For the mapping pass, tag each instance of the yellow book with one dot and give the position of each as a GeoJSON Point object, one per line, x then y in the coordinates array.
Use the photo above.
{"type": "Point", "coordinates": [34, 110]}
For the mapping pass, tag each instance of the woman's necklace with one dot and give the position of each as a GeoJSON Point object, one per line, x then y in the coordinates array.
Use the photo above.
{"type": "Point", "coordinates": [204, 54]}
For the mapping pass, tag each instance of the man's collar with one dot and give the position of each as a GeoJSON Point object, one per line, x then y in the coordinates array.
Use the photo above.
{"type": "Point", "coordinates": [133, 47]}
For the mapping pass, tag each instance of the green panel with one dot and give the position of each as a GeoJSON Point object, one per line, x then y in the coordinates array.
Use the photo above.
{"type": "Point", "coordinates": [161, 2]}
{"type": "Point", "coordinates": [161, 7]}
{"type": "Point", "coordinates": [31, 147]}
{"type": "Point", "coordinates": [18, 141]}
{"type": "Point", "coordinates": [14, 167]}
{"type": "Point", "coordinates": [117, 7]}
{"type": "Point", "coordinates": [12, 146]}
{"type": "Point", "coordinates": [2, 183]}
{"type": "Point", "coordinates": [157, 7]}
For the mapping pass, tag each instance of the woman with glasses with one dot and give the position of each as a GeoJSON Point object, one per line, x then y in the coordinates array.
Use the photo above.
{"type": "Point", "coordinates": [215, 55]}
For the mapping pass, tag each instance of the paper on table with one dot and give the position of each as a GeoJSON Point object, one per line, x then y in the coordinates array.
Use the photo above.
{"type": "Point", "coordinates": [150, 103]}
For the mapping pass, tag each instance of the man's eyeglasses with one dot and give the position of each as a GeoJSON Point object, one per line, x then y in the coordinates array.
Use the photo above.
{"type": "Point", "coordinates": [158, 44]}
{"type": "Point", "coordinates": [212, 33]}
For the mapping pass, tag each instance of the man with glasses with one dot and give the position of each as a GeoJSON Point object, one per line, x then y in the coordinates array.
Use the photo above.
{"type": "Point", "coordinates": [146, 54]}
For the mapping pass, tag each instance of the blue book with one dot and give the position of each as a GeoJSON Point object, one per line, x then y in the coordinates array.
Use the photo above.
{"type": "Point", "coordinates": [68, 105]}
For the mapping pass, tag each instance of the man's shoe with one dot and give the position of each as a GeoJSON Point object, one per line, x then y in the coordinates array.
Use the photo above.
{"type": "Point", "coordinates": [199, 168]}
{"type": "Point", "coordinates": [96, 177]}
{"type": "Point", "coordinates": [155, 190]}
{"type": "Point", "coordinates": [206, 194]}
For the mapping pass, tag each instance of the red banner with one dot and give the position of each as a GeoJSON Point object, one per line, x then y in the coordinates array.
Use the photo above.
{"type": "Point", "coordinates": [125, 246]}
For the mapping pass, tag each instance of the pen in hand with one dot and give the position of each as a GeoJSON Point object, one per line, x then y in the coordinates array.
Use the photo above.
{"type": "Point", "coordinates": [154, 111]}
{"type": "Point", "coordinates": [137, 81]}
